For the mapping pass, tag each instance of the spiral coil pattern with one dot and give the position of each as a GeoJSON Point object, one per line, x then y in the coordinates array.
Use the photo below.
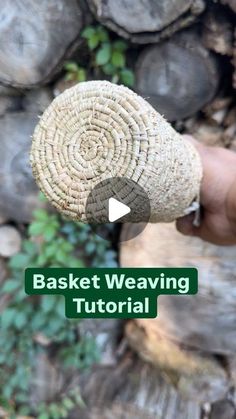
{"type": "Point", "coordinates": [97, 130]}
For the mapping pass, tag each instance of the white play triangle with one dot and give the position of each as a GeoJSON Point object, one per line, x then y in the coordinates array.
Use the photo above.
{"type": "Point", "coordinates": [116, 210]}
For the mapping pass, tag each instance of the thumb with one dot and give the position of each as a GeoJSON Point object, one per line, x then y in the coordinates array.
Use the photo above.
{"type": "Point", "coordinates": [185, 225]}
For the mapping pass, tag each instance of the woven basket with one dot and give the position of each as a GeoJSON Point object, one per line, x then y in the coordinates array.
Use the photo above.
{"type": "Point", "coordinates": [97, 130]}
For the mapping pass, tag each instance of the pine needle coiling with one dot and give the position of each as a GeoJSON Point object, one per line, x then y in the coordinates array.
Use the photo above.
{"type": "Point", "coordinates": [97, 130]}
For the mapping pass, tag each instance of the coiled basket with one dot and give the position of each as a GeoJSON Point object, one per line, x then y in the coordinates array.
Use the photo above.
{"type": "Point", "coordinates": [98, 130]}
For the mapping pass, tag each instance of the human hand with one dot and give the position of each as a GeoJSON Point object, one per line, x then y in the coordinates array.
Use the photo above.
{"type": "Point", "coordinates": [217, 197]}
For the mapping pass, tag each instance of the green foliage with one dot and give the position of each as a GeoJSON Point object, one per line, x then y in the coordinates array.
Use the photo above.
{"type": "Point", "coordinates": [61, 408]}
{"type": "Point", "coordinates": [108, 56]}
{"type": "Point", "coordinates": [74, 72]}
{"type": "Point", "coordinates": [51, 241]}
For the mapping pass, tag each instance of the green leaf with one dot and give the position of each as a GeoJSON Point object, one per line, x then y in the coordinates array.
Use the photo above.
{"type": "Point", "coordinates": [88, 32]}
{"type": "Point", "coordinates": [75, 263]}
{"type": "Point", "coordinates": [56, 324]}
{"type": "Point", "coordinates": [40, 214]}
{"type": "Point", "coordinates": [109, 69]}
{"type": "Point", "coordinates": [79, 400]}
{"type": "Point", "coordinates": [81, 75]}
{"type": "Point", "coordinates": [68, 403]}
{"type": "Point", "coordinates": [41, 260]}
{"type": "Point", "coordinates": [93, 41]}
{"type": "Point", "coordinates": [29, 247]}
{"type": "Point", "coordinates": [44, 415]}
{"type": "Point", "coordinates": [36, 228]}
{"type": "Point", "coordinates": [20, 320]}
{"type": "Point", "coordinates": [19, 261]}
{"type": "Point", "coordinates": [66, 246]}
{"type": "Point", "coordinates": [50, 249]}
{"type": "Point", "coordinates": [103, 54]}
{"type": "Point", "coordinates": [127, 77]}
{"type": "Point", "coordinates": [61, 256]}
{"type": "Point", "coordinates": [20, 295]}
{"type": "Point", "coordinates": [118, 59]}
{"type": "Point", "coordinates": [10, 285]}
{"type": "Point", "coordinates": [37, 321]}
{"type": "Point", "coordinates": [7, 317]}
{"type": "Point", "coordinates": [120, 45]}
{"type": "Point", "coordinates": [42, 197]}
{"type": "Point", "coordinates": [71, 67]}
{"type": "Point", "coordinates": [102, 34]}
{"type": "Point", "coordinates": [47, 303]}
{"type": "Point", "coordinates": [54, 410]}
{"type": "Point", "coordinates": [60, 307]}
{"type": "Point", "coordinates": [90, 247]}
{"type": "Point", "coordinates": [69, 76]}
{"type": "Point", "coordinates": [49, 232]}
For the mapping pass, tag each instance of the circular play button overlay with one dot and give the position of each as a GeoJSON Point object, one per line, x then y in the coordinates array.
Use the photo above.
{"type": "Point", "coordinates": [117, 200]}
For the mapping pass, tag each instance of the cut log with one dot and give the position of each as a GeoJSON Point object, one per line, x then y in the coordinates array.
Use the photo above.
{"type": "Point", "coordinates": [207, 319]}
{"type": "Point", "coordinates": [10, 99]}
{"type": "Point", "coordinates": [9, 104]}
{"type": "Point", "coordinates": [230, 3]}
{"type": "Point", "coordinates": [33, 44]}
{"type": "Point", "coordinates": [208, 133]}
{"type": "Point", "coordinates": [46, 381]}
{"type": "Point", "coordinates": [37, 100]}
{"type": "Point", "coordinates": [196, 376]}
{"type": "Point", "coordinates": [147, 20]}
{"type": "Point", "coordinates": [223, 409]}
{"type": "Point", "coordinates": [178, 77]}
{"type": "Point", "coordinates": [132, 390]}
{"type": "Point", "coordinates": [10, 241]}
{"type": "Point", "coordinates": [9, 91]}
{"type": "Point", "coordinates": [18, 191]}
{"type": "Point", "coordinates": [217, 126]}
{"type": "Point", "coordinates": [218, 32]}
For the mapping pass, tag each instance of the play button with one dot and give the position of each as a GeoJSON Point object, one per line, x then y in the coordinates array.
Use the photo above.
{"type": "Point", "coordinates": [116, 210]}
{"type": "Point", "coordinates": [117, 200]}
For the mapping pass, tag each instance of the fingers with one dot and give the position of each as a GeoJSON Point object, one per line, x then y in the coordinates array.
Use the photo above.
{"type": "Point", "coordinates": [219, 233]}
{"type": "Point", "coordinates": [185, 226]}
